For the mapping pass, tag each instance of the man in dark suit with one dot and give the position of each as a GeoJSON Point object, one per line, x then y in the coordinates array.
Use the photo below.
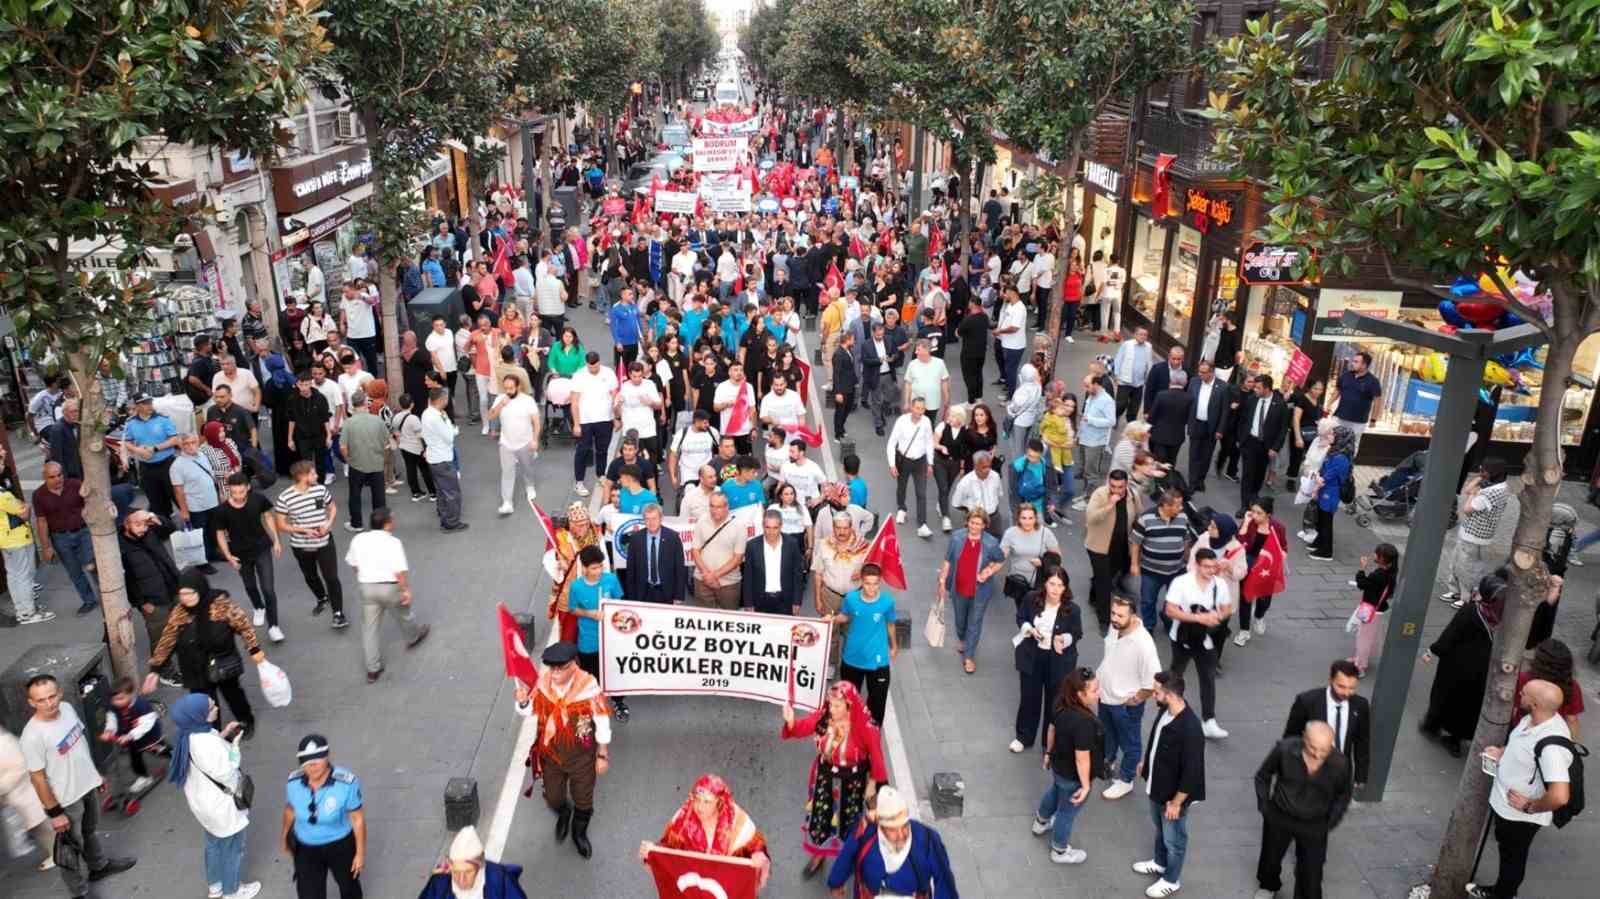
{"type": "Point", "coordinates": [844, 382]}
{"type": "Point", "coordinates": [880, 354]}
{"type": "Point", "coordinates": [1175, 766]}
{"type": "Point", "coordinates": [1160, 377]}
{"type": "Point", "coordinates": [655, 571]}
{"type": "Point", "coordinates": [1169, 418]}
{"type": "Point", "coordinates": [773, 575]}
{"type": "Point", "coordinates": [1208, 419]}
{"type": "Point", "coordinates": [1348, 713]}
{"type": "Point", "coordinates": [1260, 428]}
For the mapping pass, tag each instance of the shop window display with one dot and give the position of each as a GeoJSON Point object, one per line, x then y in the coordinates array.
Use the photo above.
{"type": "Point", "coordinates": [1276, 319]}
{"type": "Point", "coordinates": [1183, 277]}
{"type": "Point", "coordinates": [1144, 268]}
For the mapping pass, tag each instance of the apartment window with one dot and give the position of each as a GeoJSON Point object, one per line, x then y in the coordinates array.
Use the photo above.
{"type": "Point", "coordinates": [1205, 33]}
{"type": "Point", "coordinates": [302, 135]}
{"type": "Point", "coordinates": [326, 136]}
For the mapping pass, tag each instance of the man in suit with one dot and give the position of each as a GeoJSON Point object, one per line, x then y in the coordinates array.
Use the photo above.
{"type": "Point", "coordinates": [1208, 419]}
{"type": "Point", "coordinates": [880, 354]}
{"type": "Point", "coordinates": [1349, 714]}
{"type": "Point", "coordinates": [1175, 766]}
{"type": "Point", "coordinates": [1160, 376]}
{"type": "Point", "coordinates": [774, 569]}
{"type": "Point", "coordinates": [655, 572]}
{"type": "Point", "coordinates": [1260, 428]}
{"type": "Point", "coordinates": [844, 382]}
{"type": "Point", "coordinates": [1169, 418]}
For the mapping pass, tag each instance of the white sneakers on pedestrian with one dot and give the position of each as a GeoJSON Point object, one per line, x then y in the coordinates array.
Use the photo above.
{"type": "Point", "coordinates": [1213, 730]}
{"type": "Point", "coordinates": [1016, 746]}
{"type": "Point", "coordinates": [260, 617]}
{"type": "Point", "coordinates": [1117, 790]}
{"type": "Point", "coordinates": [1042, 826]}
{"type": "Point", "coordinates": [900, 517]}
{"type": "Point", "coordinates": [924, 531]}
{"type": "Point", "coordinates": [1309, 537]}
{"type": "Point", "coordinates": [1070, 340]}
{"type": "Point", "coordinates": [1068, 856]}
{"type": "Point", "coordinates": [1080, 504]}
{"type": "Point", "coordinates": [1162, 887]}
{"type": "Point", "coordinates": [505, 509]}
{"type": "Point", "coordinates": [214, 891]}
{"type": "Point", "coordinates": [140, 784]}
{"type": "Point", "coordinates": [38, 616]}
{"type": "Point", "coordinates": [1149, 867]}
{"type": "Point", "coordinates": [485, 431]}
{"type": "Point", "coordinates": [1260, 626]}
{"type": "Point", "coordinates": [392, 489]}
{"type": "Point", "coordinates": [1266, 894]}
{"type": "Point", "coordinates": [353, 528]}
{"type": "Point", "coordinates": [944, 522]}
{"type": "Point", "coordinates": [531, 493]}
{"type": "Point", "coordinates": [246, 891]}
{"type": "Point", "coordinates": [580, 489]}
{"type": "Point", "coordinates": [275, 634]}
{"type": "Point", "coordinates": [1242, 638]}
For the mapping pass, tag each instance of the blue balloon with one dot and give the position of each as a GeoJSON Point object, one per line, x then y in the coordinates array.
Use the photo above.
{"type": "Point", "coordinates": [1464, 287]}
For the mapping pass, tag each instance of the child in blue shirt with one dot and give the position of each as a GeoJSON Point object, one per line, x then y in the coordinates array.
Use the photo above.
{"type": "Point", "coordinates": [583, 599]}
{"type": "Point", "coordinates": [858, 484]}
{"type": "Point", "coordinates": [869, 644]}
{"type": "Point", "coordinates": [745, 489]}
{"type": "Point", "coordinates": [631, 497]}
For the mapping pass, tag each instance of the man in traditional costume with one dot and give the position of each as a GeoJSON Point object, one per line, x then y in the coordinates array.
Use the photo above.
{"type": "Point", "coordinates": [469, 875]}
{"type": "Point", "coordinates": [561, 563]}
{"type": "Point", "coordinates": [710, 821]}
{"type": "Point", "coordinates": [844, 775]}
{"type": "Point", "coordinates": [889, 854]}
{"type": "Point", "coordinates": [572, 739]}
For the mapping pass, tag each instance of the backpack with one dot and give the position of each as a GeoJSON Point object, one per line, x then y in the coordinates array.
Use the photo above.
{"type": "Point", "coordinates": [1574, 806]}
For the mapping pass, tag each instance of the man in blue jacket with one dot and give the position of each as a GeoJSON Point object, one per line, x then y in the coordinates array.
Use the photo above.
{"type": "Point", "coordinates": [922, 868]}
{"type": "Point", "coordinates": [468, 873]}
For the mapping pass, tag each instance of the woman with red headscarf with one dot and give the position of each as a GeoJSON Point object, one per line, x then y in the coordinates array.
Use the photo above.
{"type": "Point", "coordinates": [221, 451]}
{"type": "Point", "coordinates": [845, 774]}
{"type": "Point", "coordinates": [709, 821]}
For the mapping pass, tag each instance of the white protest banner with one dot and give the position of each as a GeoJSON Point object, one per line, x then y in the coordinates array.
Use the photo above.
{"type": "Point", "coordinates": [674, 201]}
{"type": "Point", "coordinates": [719, 154]}
{"type": "Point", "coordinates": [655, 649]}
{"type": "Point", "coordinates": [726, 193]}
{"type": "Point", "coordinates": [743, 126]}
{"type": "Point", "coordinates": [619, 526]}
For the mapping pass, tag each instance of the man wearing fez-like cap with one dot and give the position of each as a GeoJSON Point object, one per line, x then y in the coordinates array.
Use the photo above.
{"type": "Point", "coordinates": [889, 854]}
{"type": "Point", "coordinates": [467, 874]}
{"type": "Point", "coordinates": [572, 737]}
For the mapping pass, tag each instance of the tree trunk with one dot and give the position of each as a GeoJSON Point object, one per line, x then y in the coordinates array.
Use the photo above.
{"type": "Point", "coordinates": [849, 146]}
{"type": "Point", "coordinates": [547, 175]}
{"type": "Point", "coordinates": [1069, 224]}
{"type": "Point", "coordinates": [101, 516]}
{"type": "Point", "coordinates": [914, 202]}
{"type": "Point", "coordinates": [1540, 481]}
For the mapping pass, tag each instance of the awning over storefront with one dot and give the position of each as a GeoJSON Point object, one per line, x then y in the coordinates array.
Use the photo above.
{"type": "Point", "coordinates": [315, 221]}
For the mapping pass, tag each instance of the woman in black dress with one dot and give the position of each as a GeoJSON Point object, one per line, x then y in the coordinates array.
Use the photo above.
{"type": "Point", "coordinates": [677, 363]}
{"type": "Point", "coordinates": [1462, 652]}
{"type": "Point", "coordinates": [1306, 407]}
{"type": "Point", "coordinates": [753, 352]}
{"type": "Point", "coordinates": [980, 435]}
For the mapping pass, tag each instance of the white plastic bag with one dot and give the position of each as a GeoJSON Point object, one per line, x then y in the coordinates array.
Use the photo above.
{"type": "Point", "coordinates": [189, 547]}
{"type": "Point", "coordinates": [275, 685]}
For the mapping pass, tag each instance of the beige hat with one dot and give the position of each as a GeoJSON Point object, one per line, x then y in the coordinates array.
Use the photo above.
{"type": "Point", "coordinates": [892, 809]}
{"type": "Point", "coordinates": [466, 847]}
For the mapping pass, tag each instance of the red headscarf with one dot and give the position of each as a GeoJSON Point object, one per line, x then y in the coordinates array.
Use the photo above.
{"type": "Point", "coordinates": [213, 433]}
{"type": "Point", "coordinates": [686, 824]}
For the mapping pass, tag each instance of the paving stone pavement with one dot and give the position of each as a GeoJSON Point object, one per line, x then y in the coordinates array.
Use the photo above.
{"type": "Point", "coordinates": [443, 710]}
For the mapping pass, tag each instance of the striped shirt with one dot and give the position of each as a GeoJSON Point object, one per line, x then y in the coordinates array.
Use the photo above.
{"type": "Point", "coordinates": [305, 509]}
{"type": "Point", "coordinates": [1161, 542]}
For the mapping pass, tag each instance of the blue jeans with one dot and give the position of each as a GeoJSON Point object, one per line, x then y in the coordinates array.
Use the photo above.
{"type": "Point", "coordinates": [1062, 492]}
{"type": "Point", "coordinates": [1122, 723]}
{"type": "Point", "coordinates": [74, 551]}
{"type": "Point", "coordinates": [1172, 841]}
{"type": "Point", "coordinates": [1057, 802]}
{"type": "Point", "coordinates": [224, 860]}
{"type": "Point", "coordinates": [969, 621]}
{"type": "Point", "coordinates": [1586, 541]}
{"type": "Point", "coordinates": [1010, 362]}
{"type": "Point", "coordinates": [1150, 587]}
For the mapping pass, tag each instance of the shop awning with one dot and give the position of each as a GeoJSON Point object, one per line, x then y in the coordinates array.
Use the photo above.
{"type": "Point", "coordinates": [314, 221]}
{"type": "Point", "coordinates": [491, 142]}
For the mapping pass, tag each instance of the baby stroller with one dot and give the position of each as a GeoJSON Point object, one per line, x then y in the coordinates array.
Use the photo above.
{"type": "Point", "coordinates": [1393, 496]}
{"type": "Point", "coordinates": [557, 406]}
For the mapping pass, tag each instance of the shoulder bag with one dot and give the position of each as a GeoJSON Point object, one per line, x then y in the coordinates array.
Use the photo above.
{"type": "Point", "coordinates": [243, 791]}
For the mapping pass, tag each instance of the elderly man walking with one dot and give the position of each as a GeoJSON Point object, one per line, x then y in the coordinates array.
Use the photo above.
{"type": "Point", "coordinates": [384, 577]}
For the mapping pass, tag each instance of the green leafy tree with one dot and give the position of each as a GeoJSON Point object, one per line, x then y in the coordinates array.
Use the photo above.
{"type": "Point", "coordinates": [616, 46]}
{"type": "Point", "coordinates": [1462, 138]}
{"type": "Point", "coordinates": [686, 40]}
{"type": "Point", "coordinates": [762, 37]}
{"type": "Point", "coordinates": [1064, 62]}
{"type": "Point", "coordinates": [820, 40]}
{"type": "Point", "coordinates": [84, 85]}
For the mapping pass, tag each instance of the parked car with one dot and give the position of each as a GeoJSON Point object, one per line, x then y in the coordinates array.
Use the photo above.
{"type": "Point", "coordinates": [637, 180]}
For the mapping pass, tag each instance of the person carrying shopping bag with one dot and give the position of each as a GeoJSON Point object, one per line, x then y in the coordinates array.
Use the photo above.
{"type": "Point", "coordinates": [971, 560]}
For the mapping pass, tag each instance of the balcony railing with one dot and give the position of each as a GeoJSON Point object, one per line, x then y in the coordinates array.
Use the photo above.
{"type": "Point", "coordinates": [1186, 137]}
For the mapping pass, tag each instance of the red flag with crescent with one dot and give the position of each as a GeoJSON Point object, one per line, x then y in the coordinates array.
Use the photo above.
{"type": "Point", "coordinates": [696, 875]}
{"type": "Point", "coordinates": [519, 662]}
{"type": "Point", "coordinates": [833, 279]}
{"type": "Point", "coordinates": [885, 553]}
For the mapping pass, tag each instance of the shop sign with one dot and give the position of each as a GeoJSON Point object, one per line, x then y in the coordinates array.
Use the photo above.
{"type": "Point", "coordinates": [1208, 210]}
{"type": "Point", "coordinates": [342, 174]}
{"type": "Point", "coordinates": [1274, 263]}
{"type": "Point", "coordinates": [1104, 177]}
{"type": "Point", "coordinates": [319, 229]}
{"type": "Point", "coordinates": [437, 168]}
{"type": "Point", "coordinates": [1299, 368]}
{"type": "Point", "coordinates": [304, 185]}
{"type": "Point", "coordinates": [176, 193]}
{"type": "Point", "coordinates": [1332, 304]}
{"type": "Point", "coordinates": [237, 164]}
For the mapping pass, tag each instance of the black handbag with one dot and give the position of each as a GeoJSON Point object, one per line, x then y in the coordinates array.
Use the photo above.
{"type": "Point", "coordinates": [225, 667]}
{"type": "Point", "coordinates": [1017, 586]}
{"type": "Point", "coordinates": [243, 792]}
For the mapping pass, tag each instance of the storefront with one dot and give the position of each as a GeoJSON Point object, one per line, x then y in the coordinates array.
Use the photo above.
{"type": "Point", "coordinates": [442, 192]}
{"type": "Point", "coordinates": [1099, 215]}
{"type": "Point", "coordinates": [317, 201]}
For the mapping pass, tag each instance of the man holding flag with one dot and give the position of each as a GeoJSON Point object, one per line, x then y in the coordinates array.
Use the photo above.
{"type": "Point", "coordinates": [572, 737]}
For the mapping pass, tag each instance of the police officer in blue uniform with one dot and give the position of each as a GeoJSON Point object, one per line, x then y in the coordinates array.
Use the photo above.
{"type": "Point", "coordinates": [324, 825]}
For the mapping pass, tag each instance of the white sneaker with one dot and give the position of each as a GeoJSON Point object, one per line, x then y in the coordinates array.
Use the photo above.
{"type": "Point", "coordinates": [1016, 746]}
{"type": "Point", "coordinates": [140, 784]}
{"type": "Point", "coordinates": [353, 528]}
{"type": "Point", "coordinates": [260, 617]}
{"type": "Point", "coordinates": [246, 890]}
{"type": "Point", "coordinates": [1265, 894]}
{"type": "Point", "coordinates": [1068, 856]}
{"type": "Point", "coordinates": [1079, 504]}
{"type": "Point", "coordinates": [1310, 537]}
{"type": "Point", "coordinates": [944, 522]}
{"type": "Point", "coordinates": [1070, 340]}
{"type": "Point", "coordinates": [485, 431]}
{"type": "Point", "coordinates": [924, 532]}
{"type": "Point", "coordinates": [1117, 790]}
{"type": "Point", "coordinates": [1260, 627]}
{"type": "Point", "coordinates": [214, 891]}
{"type": "Point", "coordinates": [391, 489]}
{"type": "Point", "coordinates": [532, 494]}
{"type": "Point", "coordinates": [1352, 583]}
{"type": "Point", "coordinates": [1161, 888]}
{"type": "Point", "coordinates": [505, 509]}
{"type": "Point", "coordinates": [39, 616]}
{"type": "Point", "coordinates": [580, 489]}
{"type": "Point", "coordinates": [1149, 866]}
{"type": "Point", "coordinates": [1242, 639]}
{"type": "Point", "coordinates": [1042, 827]}
{"type": "Point", "coordinates": [1213, 730]}
{"type": "Point", "coordinates": [275, 634]}
{"type": "Point", "coordinates": [900, 517]}
{"type": "Point", "coordinates": [327, 479]}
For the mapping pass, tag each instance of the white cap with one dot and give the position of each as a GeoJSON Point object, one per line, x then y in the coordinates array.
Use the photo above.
{"type": "Point", "coordinates": [892, 809]}
{"type": "Point", "coordinates": [466, 847]}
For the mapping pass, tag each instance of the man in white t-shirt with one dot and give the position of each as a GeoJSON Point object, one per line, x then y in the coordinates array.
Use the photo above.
{"type": "Point", "coordinates": [241, 383]}
{"type": "Point", "coordinates": [723, 401]}
{"type": "Point", "coordinates": [594, 389]}
{"type": "Point", "coordinates": [1530, 783]}
{"type": "Point", "coordinates": [805, 475]}
{"type": "Point", "coordinates": [1111, 283]}
{"type": "Point", "coordinates": [518, 414]}
{"type": "Point", "coordinates": [358, 324]}
{"type": "Point", "coordinates": [354, 377]}
{"type": "Point", "coordinates": [1197, 603]}
{"type": "Point", "coordinates": [927, 378]}
{"type": "Point", "coordinates": [636, 405]}
{"type": "Point", "coordinates": [441, 346]}
{"type": "Point", "coordinates": [682, 273]}
{"type": "Point", "coordinates": [694, 446]}
{"type": "Point", "coordinates": [55, 749]}
{"type": "Point", "coordinates": [782, 408]}
{"type": "Point", "coordinates": [1013, 334]}
{"type": "Point", "coordinates": [727, 273]}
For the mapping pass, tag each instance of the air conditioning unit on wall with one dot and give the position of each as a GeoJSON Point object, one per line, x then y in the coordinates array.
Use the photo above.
{"type": "Point", "coordinates": [347, 125]}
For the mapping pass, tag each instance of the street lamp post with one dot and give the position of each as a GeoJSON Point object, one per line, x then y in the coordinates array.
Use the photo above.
{"type": "Point", "coordinates": [1469, 353]}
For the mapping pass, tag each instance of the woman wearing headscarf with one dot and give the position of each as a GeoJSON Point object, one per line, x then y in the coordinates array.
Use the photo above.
{"type": "Point", "coordinates": [17, 794]}
{"type": "Point", "coordinates": [844, 775]}
{"type": "Point", "coordinates": [561, 563]}
{"type": "Point", "coordinates": [709, 821]}
{"type": "Point", "coordinates": [200, 631]}
{"type": "Point", "coordinates": [1221, 537]}
{"type": "Point", "coordinates": [221, 451]}
{"type": "Point", "coordinates": [205, 765]}
{"type": "Point", "coordinates": [1337, 468]}
{"type": "Point", "coordinates": [1551, 661]}
{"type": "Point", "coordinates": [1306, 493]}
{"type": "Point", "coordinates": [1023, 409]}
{"type": "Point", "coordinates": [1462, 652]}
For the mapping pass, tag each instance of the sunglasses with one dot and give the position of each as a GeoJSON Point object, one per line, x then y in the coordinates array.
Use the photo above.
{"type": "Point", "coordinates": [311, 808]}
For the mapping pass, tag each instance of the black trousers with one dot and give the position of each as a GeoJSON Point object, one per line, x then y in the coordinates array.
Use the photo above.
{"type": "Point", "coordinates": [872, 683]}
{"type": "Point", "coordinates": [1515, 838]}
{"type": "Point", "coordinates": [1228, 455]}
{"type": "Point", "coordinates": [256, 571]}
{"type": "Point", "coordinates": [1253, 464]}
{"type": "Point", "coordinates": [1310, 853]}
{"type": "Point", "coordinates": [314, 864]}
{"type": "Point", "coordinates": [1128, 399]}
{"type": "Point", "coordinates": [155, 478]}
{"type": "Point", "coordinates": [313, 451]}
{"type": "Point", "coordinates": [320, 567]}
{"type": "Point", "coordinates": [592, 444]}
{"type": "Point", "coordinates": [1100, 583]}
{"type": "Point", "coordinates": [373, 482]}
{"type": "Point", "coordinates": [1036, 693]}
{"type": "Point", "coordinates": [1200, 449]}
{"type": "Point", "coordinates": [1205, 662]}
{"type": "Point", "coordinates": [1165, 452]}
{"type": "Point", "coordinates": [418, 474]}
{"type": "Point", "coordinates": [1324, 544]}
{"type": "Point", "coordinates": [841, 412]}
{"type": "Point", "coordinates": [916, 471]}
{"type": "Point", "coordinates": [773, 604]}
{"type": "Point", "coordinates": [238, 702]}
{"type": "Point", "coordinates": [972, 376]}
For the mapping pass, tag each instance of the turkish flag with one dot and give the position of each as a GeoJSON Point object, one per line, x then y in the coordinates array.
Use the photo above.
{"type": "Point", "coordinates": [1160, 203]}
{"type": "Point", "coordinates": [833, 279]}
{"type": "Point", "coordinates": [858, 249]}
{"type": "Point", "coordinates": [545, 523]}
{"type": "Point", "coordinates": [502, 266]}
{"type": "Point", "coordinates": [812, 438]}
{"type": "Point", "coordinates": [696, 875]}
{"type": "Point", "coordinates": [935, 241]}
{"type": "Point", "coordinates": [739, 412]}
{"type": "Point", "coordinates": [885, 553]}
{"type": "Point", "coordinates": [519, 664]}
{"type": "Point", "coordinates": [805, 380]}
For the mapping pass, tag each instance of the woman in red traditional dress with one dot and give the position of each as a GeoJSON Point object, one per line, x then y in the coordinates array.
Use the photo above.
{"type": "Point", "coordinates": [709, 821]}
{"type": "Point", "coordinates": [561, 563]}
{"type": "Point", "coordinates": [844, 775]}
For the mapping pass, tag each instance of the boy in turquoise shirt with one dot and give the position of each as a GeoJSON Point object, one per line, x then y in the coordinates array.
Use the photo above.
{"type": "Point", "coordinates": [583, 599]}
